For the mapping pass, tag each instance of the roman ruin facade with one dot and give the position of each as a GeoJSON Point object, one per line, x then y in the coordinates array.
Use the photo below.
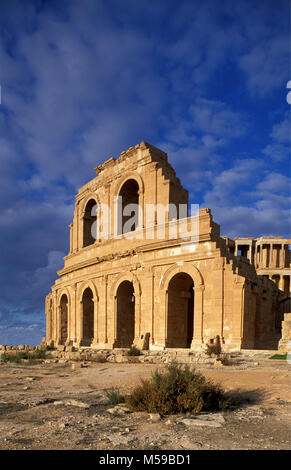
{"type": "Point", "coordinates": [162, 274]}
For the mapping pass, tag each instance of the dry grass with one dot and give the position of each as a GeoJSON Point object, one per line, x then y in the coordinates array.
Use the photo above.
{"type": "Point", "coordinates": [180, 389]}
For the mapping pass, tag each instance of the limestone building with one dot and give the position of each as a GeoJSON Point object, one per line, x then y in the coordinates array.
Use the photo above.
{"type": "Point", "coordinates": [161, 274]}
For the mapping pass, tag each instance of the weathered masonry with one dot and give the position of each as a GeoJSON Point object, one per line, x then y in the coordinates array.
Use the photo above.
{"type": "Point", "coordinates": [178, 290]}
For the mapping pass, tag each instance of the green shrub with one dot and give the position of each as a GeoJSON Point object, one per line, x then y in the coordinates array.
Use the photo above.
{"type": "Point", "coordinates": [279, 356]}
{"type": "Point", "coordinates": [178, 390]}
{"type": "Point", "coordinates": [114, 397]}
{"type": "Point", "coordinates": [134, 351]}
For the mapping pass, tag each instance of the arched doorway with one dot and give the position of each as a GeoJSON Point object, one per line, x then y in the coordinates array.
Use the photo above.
{"type": "Point", "coordinates": [125, 312]}
{"type": "Point", "coordinates": [88, 220]}
{"type": "Point", "coordinates": [180, 318]}
{"type": "Point", "coordinates": [128, 207]}
{"type": "Point", "coordinates": [63, 319]}
{"type": "Point", "coordinates": [88, 317]}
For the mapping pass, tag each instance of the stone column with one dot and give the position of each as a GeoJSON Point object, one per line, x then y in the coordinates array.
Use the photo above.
{"type": "Point", "coordinates": [282, 257]}
{"type": "Point", "coordinates": [115, 320]}
{"type": "Point", "coordinates": [74, 313]}
{"type": "Point", "coordinates": [198, 317]}
{"type": "Point", "coordinates": [58, 324]}
{"type": "Point", "coordinates": [137, 313]}
{"type": "Point", "coordinates": [250, 253]}
{"type": "Point", "coordinates": [166, 318]}
{"type": "Point", "coordinates": [271, 256]}
{"type": "Point", "coordinates": [153, 306]}
{"type": "Point", "coordinates": [71, 238]}
{"type": "Point", "coordinates": [264, 255]}
{"type": "Point", "coordinates": [96, 337]}
{"type": "Point", "coordinates": [69, 319]}
{"type": "Point", "coordinates": [141, 212]}
{"type": "Point", "coordinates": [106, 309]}
{"type": "Point", "coordinates": [281, 283]}
{"type": "Point", "coordinates": [54, 319]}
{"type": "Point", "coordinates": [80, 323]}
{"type": "Point", "coordinates": [48, 312]}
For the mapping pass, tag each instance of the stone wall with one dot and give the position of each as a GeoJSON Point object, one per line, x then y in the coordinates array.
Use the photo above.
{"type": "Point", "coordinates": [285, 342]}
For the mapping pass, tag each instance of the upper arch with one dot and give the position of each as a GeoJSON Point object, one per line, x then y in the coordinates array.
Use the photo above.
{"type": "Point", "coordinates": [91, 195]}
{"type": "Point", "coordinates": [61, 292]}
{"type": "Point", "coordinates": [84, 286]}
{"type": "Point", "coordinates": [126, 277]}
{"type": "Point", "coordinates": [184, 267]}
{"type": "Point", "coordinates": [128, 176]}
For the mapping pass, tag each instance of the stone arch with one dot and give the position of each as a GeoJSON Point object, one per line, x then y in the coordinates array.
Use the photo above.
{"type": "Point", "coordinates": [88, 313]}
{"type": "Point", "coordinates": [136, 196]}
{"type": "Point", "coordinates": [128, 176]}
{"type": "Point", "coordinates": [63, 319]}
{"type": "Point", "coordinates": [126, 277]}
{"type": "Point", "coordinates": [198, 301]}
{"type": "Point", "coordinates": [125, 314]}
{"type": "Point", "coordinates": [184, 267]}
{"type": "Point", "coordinates": [87, 317]}
{"type": "Point", "coordinates": [86, 199]}
{"type": "Point", "coordinates": [134, 315]}
{"type": "Point", "coordinates": [180, 311]}
{"type": "Point", "coordinates": [62, 291]}
{"type": "Point", "coordinates": [88, 219]}
{"type": "Point", "coordinates": [84, 286]}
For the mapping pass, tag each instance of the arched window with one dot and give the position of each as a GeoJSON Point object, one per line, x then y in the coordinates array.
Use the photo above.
{"type": "Point", "coordinates": [89, 231]}
{"type": "Point", "coordinates": [128, 207]}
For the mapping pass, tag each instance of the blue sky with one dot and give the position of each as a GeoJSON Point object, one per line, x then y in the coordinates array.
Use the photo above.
{"type": "Point", "coordinates": [83, 81]}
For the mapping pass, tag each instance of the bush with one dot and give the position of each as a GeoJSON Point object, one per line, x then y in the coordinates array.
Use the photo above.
{"type": "Point", "coordinates": [134, 351]}
{"type": "Point", "coordinates": [114, 397]}
{"type": "Point", "coordinates": [178, 390]}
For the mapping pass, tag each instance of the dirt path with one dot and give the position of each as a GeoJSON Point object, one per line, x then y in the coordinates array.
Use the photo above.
{"type": "Point", "coordinates": [51, 406]}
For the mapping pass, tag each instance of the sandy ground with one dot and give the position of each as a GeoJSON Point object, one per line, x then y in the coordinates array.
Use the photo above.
{"type": "Point", "coordinates": [51, 406]}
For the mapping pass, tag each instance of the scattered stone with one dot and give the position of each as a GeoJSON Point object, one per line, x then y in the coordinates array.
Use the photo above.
{"type": "Point", "coordinates": [188, 444]}
{"type": "Point", "coordinates": [121, 440]}
{"type": "Point", "coordinates": [170, 423]}
{"type": "Point", "coordinates": [211, 420]}
{"type": "Point", "coordinates": [155, 417]}
{"type": "Point", "coordinates": [77, 403]}
{"type": "Point", "coordinates": [201, 422]}
{"type": "Point", "coordinates": [62, 426]}
{"type": "Point", "coordinates": [118, 410]}
{"type": "Point", "coordinates": [76, 365]}
{"type": "Point", "coordinates": [218, 363]}
{"type": "Point", "coordinates": [17, 430]}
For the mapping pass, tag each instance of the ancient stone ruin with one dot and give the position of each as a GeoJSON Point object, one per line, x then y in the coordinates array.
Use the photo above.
{"type": "Point", "coordinates": [163, 277]}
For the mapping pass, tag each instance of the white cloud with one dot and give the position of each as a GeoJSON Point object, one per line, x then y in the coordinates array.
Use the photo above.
{"type": "Point", "coordinates": [215, 117]}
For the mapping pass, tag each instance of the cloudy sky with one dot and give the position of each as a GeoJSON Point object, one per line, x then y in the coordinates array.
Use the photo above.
{"type": "Point", "coordinates": [82, 81]}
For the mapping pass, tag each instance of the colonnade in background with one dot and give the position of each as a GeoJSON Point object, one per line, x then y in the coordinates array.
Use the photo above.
{"type": "Point", "coordinates": [270, 257]}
